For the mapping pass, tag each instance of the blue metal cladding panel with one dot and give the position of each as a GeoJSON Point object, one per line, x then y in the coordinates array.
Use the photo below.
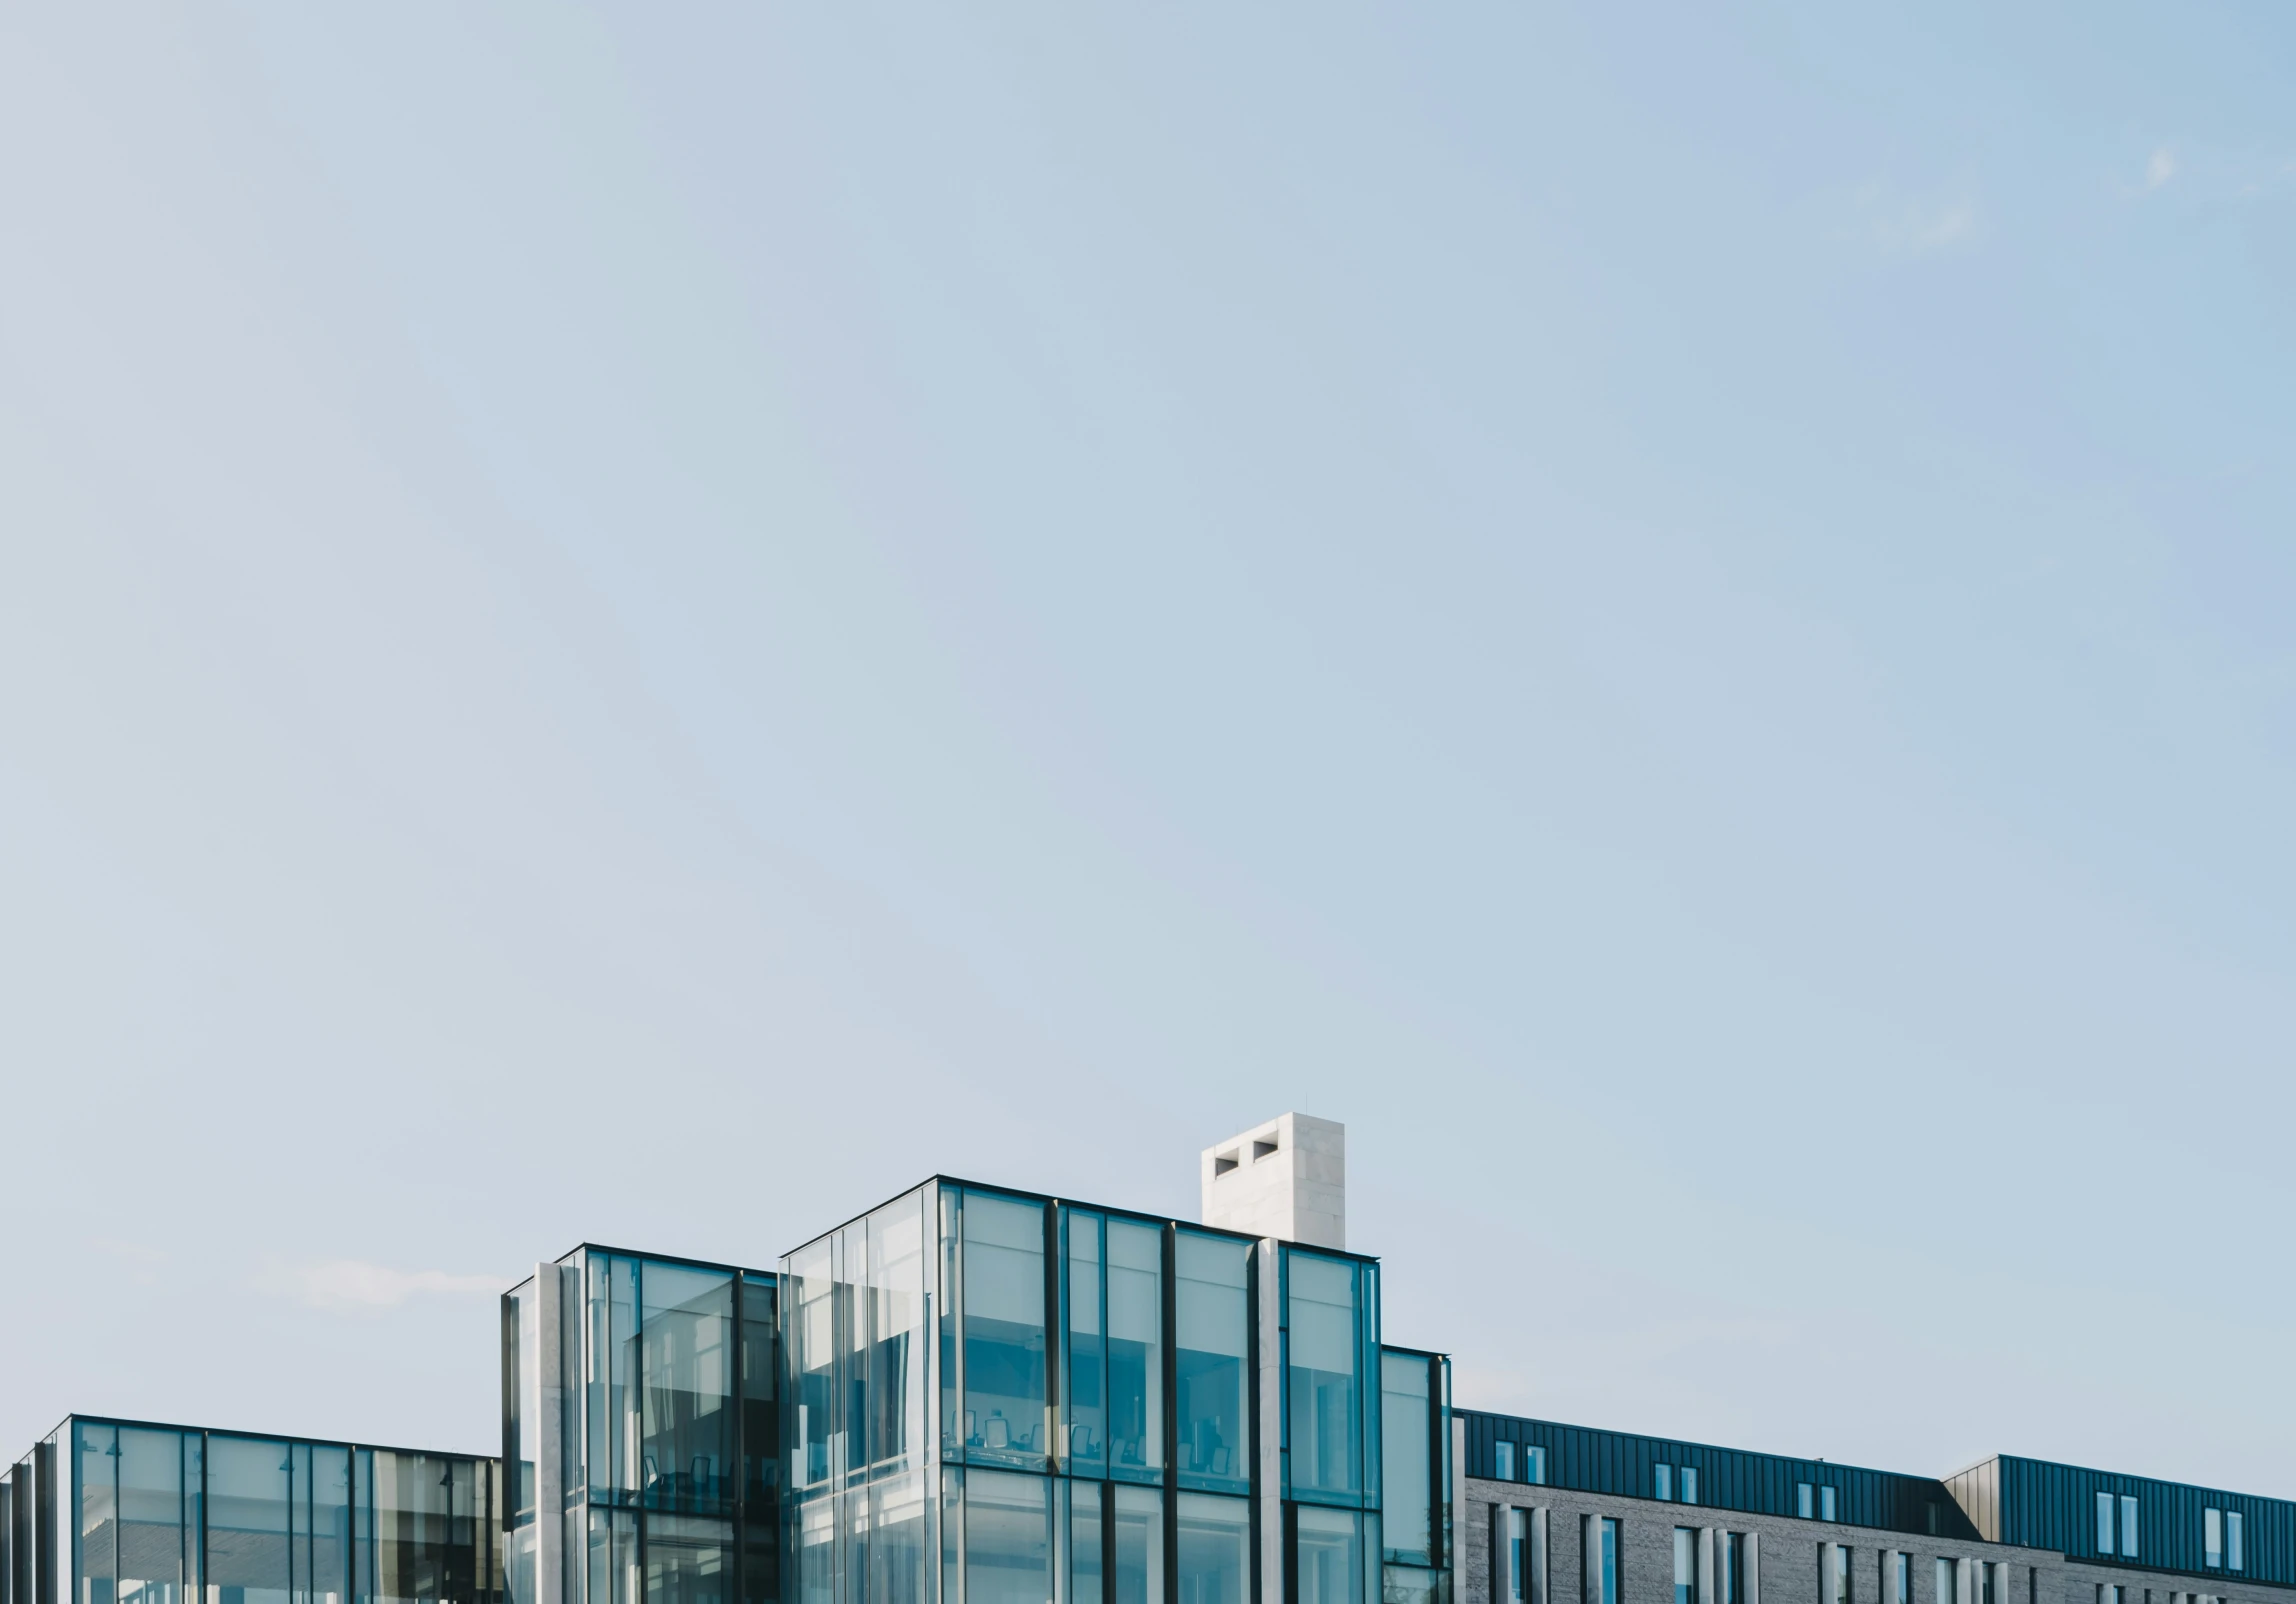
{"type": "Point", "coordinates": [2046, 1505]}
{"type": "Point", "coordinates": [1585, 1459]}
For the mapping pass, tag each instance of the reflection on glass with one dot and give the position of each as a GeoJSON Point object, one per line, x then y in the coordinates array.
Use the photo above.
{"type": "Point", "coordinates": [1502, 1457]}
{"type": "Point", "coordinates": [1137, 1573]}
{"type": "Point", "coordinates": [1685, 1566]}
{"type": "Point", "coordinates": [1948, 1582]}
{"type": "Point", "coordinates": [1825, 1503]}
{"type": "Point", "coordinates": [1215, 1540]}
{"type": "Point", "coordinates": [523, 1337]}
{"type": "Point", "coordinates": [2104, 1523]}
{"type": "Point", "coordinates": [1330, 1556]}
{"type": "Point", "coordinates": [2235, 1558]}
{"type": "Point", "coordinates": [247, 1520]}
{"type": "Point", "coordinates": [1135, 1347]}
{"type": "Point", "coordinates": [1209, 1360]}
{"type": "Point", "coordinates": [808, 1307]}
{"type": "Point", "coordinates": [2128, 1528]}
{"type": "Point", "coordinates": [897, 1541]}
{"type": "Point", "coordinates": [817, 1552]}
{"type": "Point", "coordinates": [1085, 1531]}
{"type": "Point", "coordinates": [2212, 1538]}
{"type": "Point", "coordinates": [1086, 1450]}
{"type": "Point", "coordinates": [760, 1420]}
{"type": "Point", "coordinates": [894, 1307]}
{"type": "Point", "coordinates": [1689, 1484]}
{"type": "Point", "coordinates": [1322, 1387]}
{"type": "Point", "coordinates": [96, 1535]}
{"type": "Point", "coordinates": [1004, 1330]}
{"type": "Point", "coordinates": [685, 1356]}
{"type": "Point", "coordinates": [610, 1398]}
{"type": "Point", "coordinates": [1514, 1555]}
{"type": "Point", "coordinates": [687, 1561]}
{"type": "Point", "coordinates": [1730, 1565]}
{"type": "Point", "coordinates": [152, 1546]}
{"type": "Point", "coordinates": [613, 1556]}
{"type": "Point", "coordinates": [1008, 1520]}
{"type": "Point", "coordinates": [1662, 1482]}
{"type": "Point", "coordinates": [1606, 1573]}
{"type": "Point", "coordinates": [1900, 1579]}
{"type": "Point", "coordinates": [1535, 1464]}
{"type": "Point", "coordinates": [1407, 1432]}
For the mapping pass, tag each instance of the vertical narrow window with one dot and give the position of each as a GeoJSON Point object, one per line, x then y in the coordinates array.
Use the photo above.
{"type": "Point", "coordinates": [1211, 1349]}
{"type": "Point", "coordinates": [1085, 1377]}
{"type": "Point", "coordinates": [2104, 1523]}
{"type": "Point", "coordinates": [1608, 1577]}
{"type": "Point", "coordinates": [2212, 1538]}
{"type": "Point", "coordinates": [1407, 1417]}
{"type": "Point", "coordinates": [1135, 1350]}
{"type": "Point", "coordinates": [1662, 1482]}
{"type": "Point", "coordinates": [1802, 1500]}
{"type": "Point", "coordinates": [1321, 1383]}
{"type": "Point", "coordinates": [1825, 1503]}
{"type": "Point", "coordinates": [1512, 1557]}
{"type": "Point", "coordinates": [2234, 1559]}
{"type": "Point", "coordinates": [2128, 1527]}
{"type": "Point", "coordinates": [1730, 1562]}
{"type": "Point", "coordinates": [1901, 1579]}
{"type": "Point", "coordinates": [1685, 1565]}
{"type": "Point", "coordinates": [1948, 1582]}
{"type": "Point", "coordinates": [1839, 1592]}
{"type": "Point", "coordinates": [1503, 1461]}
{"type": "Point", "coordinates": [1004, 1331]}
{"type": "Point", "coordinates": [1689, 1484]}
{"type": "Point", "coordinates": [1534, 1464]}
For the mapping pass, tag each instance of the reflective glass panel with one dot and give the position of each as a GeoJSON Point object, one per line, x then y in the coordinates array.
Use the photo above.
{"type": "Point", "coordinates": [1210, 1360]}
{"type": "Point", "coordinates": [1949, 1581]}
{"type": "Point", "coordinates": [2128, 1528]}
{"type": "Point", "coordinates": [1321, 1386]}
{"type": "Point", "coordinates": [1085, 1536]}
{"type": "Point", "coordinates": [685, 1346]}
{"type": "Point", "coordinates": [1840, 1592]}
{"type": "Point", "coordinates": [1535, 1464]}
{"type": "Point", "coordinates": [1688, 1479]}
{"type": "Point", "coordinates": [1137, 1543]}
{"type": "Point", "coordinates": [2235, 1557]}
{"type": "Point", "coordinates": [610, 1356]}
{"type": "Point", "coordinates": [817, 1551]}
{"type": "Point", "coordinates": [1825, 1503]}
{"type": "Point", "coordinates": [1215, 1540]}
{"type": "Point", "coordinates": [1004, 1330]}
{"type": "Point", "coordinates": [1406, 1435]}
{"type": "Point", "coordinates": [421, 1539]}
{"type": "Point", "coordinates": [151, 1517]}
{"type": "Point", "coordinates": [613, 1559]}
{"type": "Point", "coordinates": [808, 1327]}
{"type": "Point", "coordinates": [96, 1535]}
{"type": "Point", "coordinates": [1685, 1566]}
{"type": "Point", "coordinates": [1802, 1500]}
{"type": "Point", "coordinates": [1502, 1457]}
{"type": "Point", "coordinates": [325, 1528]}
{"type": "Point", "coordinates": [1662, 1482]}
{"type": "Point", "coordinates": [1607, 1573]}
{"type": "Point", "coordinates": [247, 1520]}
{"type": "Point", "coordinates": [2104, 1523]}
{"type": "Point", "coordinates": [1900, 1579]}
{"type": "Point", "coordinates": [523, 1337]}
{"type": "Point", "coordinates": [1087, 1376]}
{"type": "Point", "coordinates": [1730, 1566]}
{"type": "Point", "coordinates": [1515, 1543]}
{"type": "Point", "coordinates": [1135, 1347]}
{"type": "Point", "coordinates": [687, 1561]}
{"type": "Point", "coordinates": [897, 1555]}
{"type": "Point", "coordinates": [1331, 1569]}
{"type": "Point", "coordinates": [760, 1414]}
{"type": "Point", "coordinates": [2212, 1533]}
{"type": "Point", "coordinates": [896, 1340]}
{"type": "Point", "coordinates": [1008, 1526]}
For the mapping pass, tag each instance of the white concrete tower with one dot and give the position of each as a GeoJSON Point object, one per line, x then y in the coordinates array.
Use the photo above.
{"type": "Point", "coordinates": [1286, 1179]}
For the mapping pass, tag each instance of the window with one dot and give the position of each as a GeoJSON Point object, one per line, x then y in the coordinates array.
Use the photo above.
{"type": "Point", "coordinates": [2110, 1595]}
{"type": "Point", "coordinates": [1730, 1563]}
{"type": "Point", "coordinates": [1601, 1562]}
{"type": "Point", "coordinates": [1534, 1464]}
{"type": "Point", "coordinates": [1802, 1500]}
{"type": "Point", "coordinates": [1214, 1545]}
{"type": "Point", "coordinates": [1689, 1483]}
{"type": "Point", "coordinates": [1685, 1565]}
{"type": "Point", "coordinates": [1948, 1582]}
{"type": "Point", "coordinates": [1825, 1503]}
{"type": "Point", "coordinates": [1897, 1579]}
{"type": "Point", "coordinates": [2234, 1559]}
{"type": "Point", "coordinates": [1503, 1461]}
{"type": "Point", "coordinates": [1834, 1573]}
{"type": "Point", "coordinates": [2128, 1527]}
{"type": "Point", "coordinates": [1989, 1588]}
{"type": "Point", "coordinates": [1213, 1325]}
{"type": "Point", "coordinates": [1408, 1400]}
{"type": "Point", "coordinates": [2212, 1538]}
{"type": "Point", "coordinates": [1662, 1482]}
{"type": "Point", "coordinates": [1322, 1383]}
{"type": "Point", "coordinates": [2104, 1523]}
{"type": "Point", "coordinates": [1329, 1565]}
{"type": "Point", "coordinates": [1513, 1557]}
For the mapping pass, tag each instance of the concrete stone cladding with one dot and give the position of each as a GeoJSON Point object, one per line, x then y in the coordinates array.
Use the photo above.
{"type": "Point", "coordinates": [1788, 1553]}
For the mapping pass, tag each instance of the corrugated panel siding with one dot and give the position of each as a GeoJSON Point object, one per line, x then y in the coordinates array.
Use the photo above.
{"type": "Point", "coordinates": [1588, 1460]}
{"type": "Point", "coordinates": [2046, 1505]}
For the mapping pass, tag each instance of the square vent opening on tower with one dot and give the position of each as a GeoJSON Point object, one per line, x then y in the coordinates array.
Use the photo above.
{"type": "Point", "coordinates": [1222, 1163]}
{"type": "Point", "coordinates": [1261, 1149]}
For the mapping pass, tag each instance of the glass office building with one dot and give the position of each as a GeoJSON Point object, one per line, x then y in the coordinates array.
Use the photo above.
{"type": "Point", "coordinates": [127, 1512]}
{"type": "Point", "coordinates": [995, 1397]}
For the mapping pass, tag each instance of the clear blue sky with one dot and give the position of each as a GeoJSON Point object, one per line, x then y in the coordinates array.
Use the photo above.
{"type": "Point", "coordinates": [649, 625]}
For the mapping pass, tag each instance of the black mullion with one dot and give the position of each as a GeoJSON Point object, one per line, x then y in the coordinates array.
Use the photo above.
{"type": "Point", "coordinates": [1171, 1364]}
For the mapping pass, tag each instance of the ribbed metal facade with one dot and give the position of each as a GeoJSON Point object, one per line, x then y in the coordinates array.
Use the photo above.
{"type": "Point", "coordinates": [1588, 1460]}
{"type": "Point", "coordinates": [2038, 1504]}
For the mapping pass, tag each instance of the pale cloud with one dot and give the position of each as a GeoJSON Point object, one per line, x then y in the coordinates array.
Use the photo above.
{"type": "Point", "coordinates": [1900, 225]}
{"type": "Point", "coordinates": [2160, 168]}
{"type": "Point", "coordinates": [353, 1286]}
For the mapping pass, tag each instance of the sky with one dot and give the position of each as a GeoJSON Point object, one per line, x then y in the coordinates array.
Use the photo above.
{"type": "Point", "coordinates": [648, 624]}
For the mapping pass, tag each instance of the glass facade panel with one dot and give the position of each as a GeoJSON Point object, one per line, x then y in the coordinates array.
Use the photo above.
{"type": "Point", "coordinates": [1825, 1503]}
{"type": "Point", "coordinates": [2104, 1523]}
{"type": "Point", "coordinates": [522, 1336]}
{"type": "Point", "coordinates": [95, 1535]}
{"type": "Point", "coordinates": [1606, 1563]}
{"type": "Point", "coordinates": [1087, 1533]}
{"type": "Point", "coordinates": [1730, 1567]}
{"type": "Point", "coordinates": [2212, 1538]}
{"type": "Point", "coordinates": [686, 1425]}
{"type": "Point", "coordinates": [688, 1560]}
{"type": "Point", "coordinates": [152, 1548]}
{"type": "Point", "coordinates": [2128, 1528]}
{"type": "Point", "coordinates": [1322, 1387]}
{"type": "Point", "coordinates": [1136, 1546]}
{"type": "Point", "coordinates": [897, 1541]}
{"type": "Point", "coordinates": [1685, 1566]}
{"type": "Point", "coordinates": [247, 1520]}
{"type": "Point", "coordinates": [1330, 1557]}
{"type": "Point", "coordinates": [2235, 1552]}
{"type": "Point", "coordinates": [1135, 1348]}
{"type": "Point", "coordinates": [1689, 1484]}
{"type": "Point", "coordinates": [1215, 1549]}
{"type": "Point", "coordinates": [613, 1557]}
{"type": "Point", "coordinates": [1502, 1458]}
{"type": "Point", "coordinates": [1211, 1360]}
{"type": "Point", "coordinates": [809, 1308]}
{"type": "Point", "coordinates": [1007, 1527]}
{"type": "Point", "coordinates": [1662, 1482]}
{"type": "Point", "coordinates": [1085, 1453]}
{"type": "Point", "coordinates": [760, 1413]}
{"type": "Point", "coordinates": [895, 1338]}
{"type": "Point", "coordinates": [1004, 1326]}
{"type": "Point", "coordinates": [1407, 1434]}
{"type": "Point", "coordinates": [1949, 1581]}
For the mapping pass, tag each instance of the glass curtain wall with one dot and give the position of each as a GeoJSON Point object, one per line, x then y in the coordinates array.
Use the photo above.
{"type": "Point", "coordinates": [166, 1515]}
{"type": "Point", "coordinates": [1331, 1349]}
{"type": "Point", "coordinates": [667, 1395]}
{"type": "Point", "coordinates": [1415, 1476]}
{"type": "Point", "coordinates": [1092, 1376]}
